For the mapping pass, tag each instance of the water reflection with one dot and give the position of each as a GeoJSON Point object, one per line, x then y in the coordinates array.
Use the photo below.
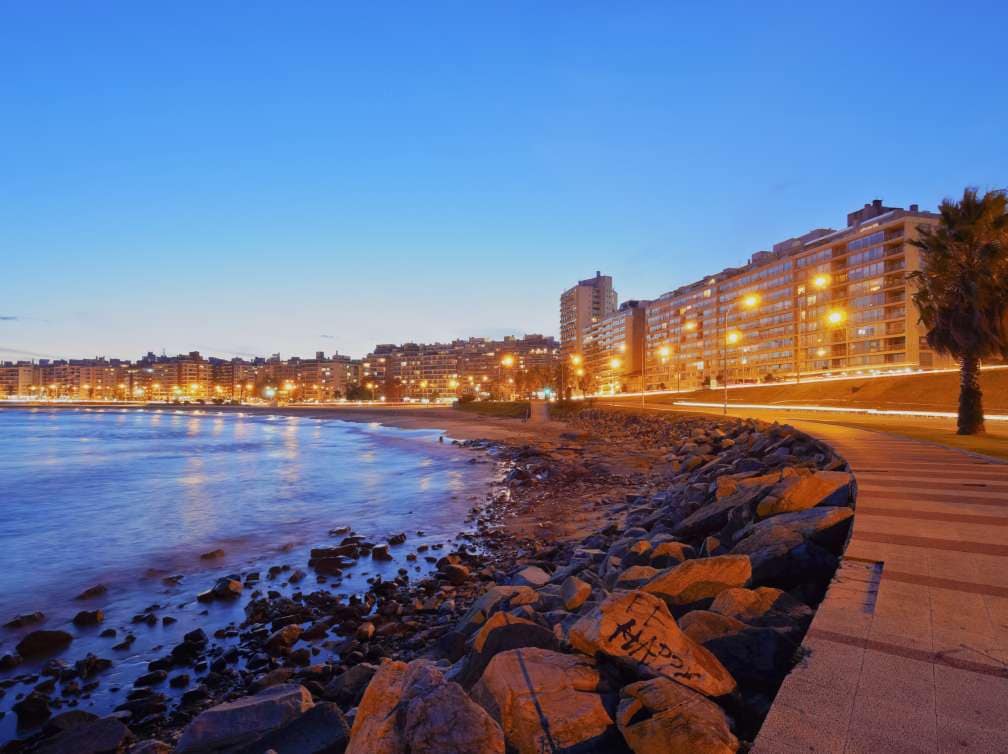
{"type": "Point", "coordinates": [120, 496]}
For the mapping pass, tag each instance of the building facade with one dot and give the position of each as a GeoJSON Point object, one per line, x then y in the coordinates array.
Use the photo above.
{"type": "Point", "coordinates": [474, 366]}
{"type": "Point", "coordinates": [613, 349]}
{"type": "Point", "coordinates": [825, 303]}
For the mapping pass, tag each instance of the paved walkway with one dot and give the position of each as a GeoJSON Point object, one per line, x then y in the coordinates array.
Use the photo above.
{"type": "Point", "coordinates": [909, 650]}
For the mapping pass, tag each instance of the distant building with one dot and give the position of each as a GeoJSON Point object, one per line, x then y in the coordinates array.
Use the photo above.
{"type": "Point", "coordinates": [16, 379]}
{"type": "Point", "coordinates": [478, 366]}
{"type": "Point", "coordinates": [583, 305]}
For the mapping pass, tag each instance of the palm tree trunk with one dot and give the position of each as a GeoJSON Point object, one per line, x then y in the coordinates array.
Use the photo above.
{"type": "Point", "coordinates": [971, 418]}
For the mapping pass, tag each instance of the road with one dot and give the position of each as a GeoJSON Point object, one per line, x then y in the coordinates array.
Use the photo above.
{"type": "Point", "coordinates": [939, 430]}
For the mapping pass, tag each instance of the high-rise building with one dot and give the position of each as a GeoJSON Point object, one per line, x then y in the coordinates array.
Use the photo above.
{"type": "Point", "coordinates": [614, 349]}
{"type": "Point", "coordinates": [825, 303]}
{"type": "Point", "coordinates": [583, 305]}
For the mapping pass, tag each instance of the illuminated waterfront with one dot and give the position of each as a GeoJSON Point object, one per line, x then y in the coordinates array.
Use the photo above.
{"type": "Point", "coordinates": [108, 495]}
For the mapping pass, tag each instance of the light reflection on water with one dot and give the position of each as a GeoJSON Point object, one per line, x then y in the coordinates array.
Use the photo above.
{"type": "Point", "coordinates": [101, 496]}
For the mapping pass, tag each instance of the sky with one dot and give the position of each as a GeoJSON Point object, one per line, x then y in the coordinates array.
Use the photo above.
{"type": "Point", "coordinates": [246, 178]}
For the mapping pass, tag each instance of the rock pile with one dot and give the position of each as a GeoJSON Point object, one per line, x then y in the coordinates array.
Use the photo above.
{"type": "Point", "coordinates": [672, 629]}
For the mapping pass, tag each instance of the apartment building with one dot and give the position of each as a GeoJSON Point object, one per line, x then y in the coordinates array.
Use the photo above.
{"type": "Point", "coordinates": [613, 349]}
{"type": "Point", "coordinates": [825, 303]}
{"type": "Point", "coordinates": [16, 379]}
{"type": "Point", "coordinates": [581, 306]}
{"type": "Point", "coordinates": [442, 370]}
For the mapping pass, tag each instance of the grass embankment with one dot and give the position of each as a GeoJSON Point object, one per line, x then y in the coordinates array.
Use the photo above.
{"type": "Point", "coordinates": [497, 409]}
{"type": "Point", "coordinates": [926, 392]}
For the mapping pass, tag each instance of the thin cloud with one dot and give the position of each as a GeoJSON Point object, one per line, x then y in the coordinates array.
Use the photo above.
{"type": "Point", "coordinates": [328, 337]}
{"type": "Point", "coordinates": [8, 318]}
{"type": "Point", "coordinates": [20, 352]}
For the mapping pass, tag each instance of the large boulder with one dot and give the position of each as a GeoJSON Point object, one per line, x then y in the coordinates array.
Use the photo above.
{"type": "Point", "coordinates": [348, 687]}
{"type": "Point", "coordinates": [548, 702]}
{"type": "Point", "coordinates": [660, 716]}
{"type": "Point", "coordinates": [826, 526]}
{"type": "Point", "coordinates": [244, 720]}
{"type": "Point", "coordinates": [101, 736]}
{"type": "Point", "coordinates": [499, 634]}
{"type": "Point", "coordinates": [713, 517]}
{"type": "Point", "coordinates": [32, 710]}
{"type": "Point", "coordinates": [699, 580]}
{"type": "Point", "coordinates": [668, 554]}
{"type": "Point", "coordinates": [792, 548]}
{"type": "Point", "coordinates": [634, 577]}
{"type": "Point", "coordinates": [756, 657]}
{"type": "Point", "coordinates": [765, 607]}
{"type": "Point", "coordinates": [532, 576]}
{"type": "Point", "coordinates": [574, 592]}
{"type": "Point", "coordinates": [43, 642]}
{"type": "Point", "coordinates": [823, 488]}
{"type": "Point", "coordinates": [412, 709]}
{"type": "Point", "coordinates": [493, 599]}
{"type": "Point", "coordinates": [320, 730]}
{"type": "Point", "coordinates": [636, 630]}
{"type": "Point", "coordinates": [281, 640]}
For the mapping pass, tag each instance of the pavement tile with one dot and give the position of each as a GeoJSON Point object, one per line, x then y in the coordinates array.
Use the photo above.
{"type": "Point", "coordinates": [894, 677]}
{"type": "Point", "coordinates": [896, 721]}
{"type": "Point", "coordinates": [975, 699]}
{"type": "Point", "coordinates": [957, 736]}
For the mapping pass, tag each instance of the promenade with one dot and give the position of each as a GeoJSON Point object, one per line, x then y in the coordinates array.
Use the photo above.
{"type": "Point", "coordinates": [909, 650]}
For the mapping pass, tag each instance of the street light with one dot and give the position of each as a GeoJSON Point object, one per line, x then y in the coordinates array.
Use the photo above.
{"type": "Point", "coordinates": [507, 362]}
{"type": "Point", "coordinates": [749, 301]}
{"type": "Point", "coordinates": [614, 364]}
{"type": "Point", "coordinates": [819, 282]}
{"type": "Point", "coordinates": [575, 360]}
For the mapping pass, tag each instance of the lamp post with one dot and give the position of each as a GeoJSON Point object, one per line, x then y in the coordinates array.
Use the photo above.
{"type": "Point", "coordinates": [506, 363]}
{"type": "Point", "coordinates": [836, 317]}
{"type": "Point", "coordinates": [575, 360]}
{"type": "Point", "coordinates": [750, 301]}
{"type": "Point", "coordinates": [614, 364]}
{"type": "Point", "coordinates": [819, 282]}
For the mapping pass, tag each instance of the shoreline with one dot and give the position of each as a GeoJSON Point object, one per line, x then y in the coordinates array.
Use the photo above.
{"type": "Point", "coordinates": [454, 423]}
{"type": "Point", "coordinates": [581, 507]}
{"type": "Point", "coordinates": [170, 589]}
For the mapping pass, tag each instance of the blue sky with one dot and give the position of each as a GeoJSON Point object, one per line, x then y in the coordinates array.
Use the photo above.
{"type": "Point", "coordinates": [250, 177]}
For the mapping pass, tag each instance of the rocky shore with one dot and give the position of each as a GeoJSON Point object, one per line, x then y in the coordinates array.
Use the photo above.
{"type": "Point", "coordinates": [642, 584]}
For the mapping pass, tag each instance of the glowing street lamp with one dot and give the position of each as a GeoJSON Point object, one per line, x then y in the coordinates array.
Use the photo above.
{"type": "Point", "coordinates": [819, 282]}
{"type": "Point", "coordinates": [575, 360]}
{"type": "Point", "coordinates": [836, 317]}
{"type": "Point", "coordinates": [749, 301]}
{"type": "Point", "coordinates": [614, 364]}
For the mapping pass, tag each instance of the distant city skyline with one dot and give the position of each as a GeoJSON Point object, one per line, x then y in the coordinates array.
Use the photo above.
{"type": "Point", "coordinates": [246, 180]}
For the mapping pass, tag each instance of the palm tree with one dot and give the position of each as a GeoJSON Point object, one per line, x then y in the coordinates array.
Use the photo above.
{"type": "Point", "coordinates": [962, 290]}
